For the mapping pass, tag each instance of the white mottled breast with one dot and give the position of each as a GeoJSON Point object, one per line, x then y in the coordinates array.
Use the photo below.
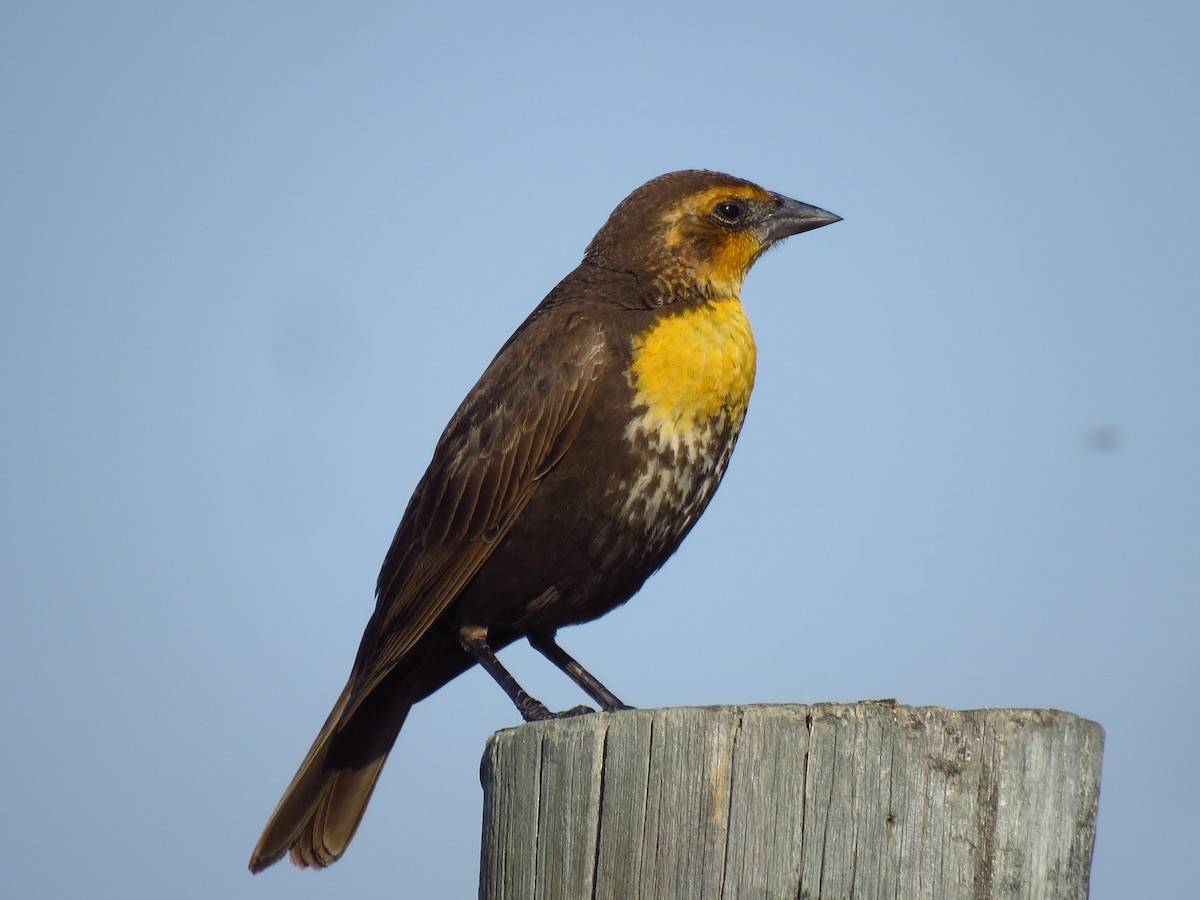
{"type": "Point", "coordinates": [691, 374]}
{"type": "Point", "coordinates": [678, 478]}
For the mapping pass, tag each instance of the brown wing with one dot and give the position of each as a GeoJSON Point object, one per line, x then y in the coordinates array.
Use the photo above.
{"type": "Point", "coordinates": [515, 424]}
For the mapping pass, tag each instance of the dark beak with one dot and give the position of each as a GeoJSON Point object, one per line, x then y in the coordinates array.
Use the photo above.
{"type": "Point", "coordinates": [793, 217]}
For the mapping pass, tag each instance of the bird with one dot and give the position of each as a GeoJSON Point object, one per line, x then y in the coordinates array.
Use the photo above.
{"type": "Point", "coordinates": [571, 471]}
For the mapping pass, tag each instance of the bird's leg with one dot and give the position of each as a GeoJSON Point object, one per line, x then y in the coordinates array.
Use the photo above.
{"type": "Point", "coordinates": [474, 640]}
{"type": "Point", "coordinates": [545, 644]}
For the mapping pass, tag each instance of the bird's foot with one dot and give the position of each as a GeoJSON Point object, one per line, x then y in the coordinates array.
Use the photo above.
{"type": "Point", "coordinates": [573, 711]}
{"type": "Point", "coordinates": [619, 707]}
{"type": "Point", "coordinates": [535, 711]}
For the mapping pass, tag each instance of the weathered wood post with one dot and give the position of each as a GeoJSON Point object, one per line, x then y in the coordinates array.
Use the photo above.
{"type": "Point", "coordinates": [866, 800]}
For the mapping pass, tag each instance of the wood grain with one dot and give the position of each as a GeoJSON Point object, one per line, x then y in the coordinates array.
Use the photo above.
{"type": "Point", "coordinates": [865, 800]}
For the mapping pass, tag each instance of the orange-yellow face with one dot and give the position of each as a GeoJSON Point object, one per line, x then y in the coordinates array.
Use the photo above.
{"type": "Point", "coordinates": [695, 365]}
{"type": "Point", "coordinates": [713, 235]}
{"type": "Point", "coordinates": [692, 368]}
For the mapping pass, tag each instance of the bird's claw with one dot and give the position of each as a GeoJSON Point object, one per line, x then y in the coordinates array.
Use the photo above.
{"type": "Point", "coordinates": [573, 711]}
{"type": "Point", "coordinates": [535, 711]}
{"type": "Point", "coordinates": [620, 707]}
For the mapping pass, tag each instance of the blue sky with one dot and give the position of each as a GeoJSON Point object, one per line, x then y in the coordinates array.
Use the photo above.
{"type": "Point", "coordinates": [254, 255]}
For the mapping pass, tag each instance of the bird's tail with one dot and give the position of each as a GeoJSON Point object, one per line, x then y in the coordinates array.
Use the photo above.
{"type": "Point", "coordinates": [323, 805]}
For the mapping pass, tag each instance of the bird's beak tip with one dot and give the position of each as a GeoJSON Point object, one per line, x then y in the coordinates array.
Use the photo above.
{"type": "Point", "coordinates": [793, 217]}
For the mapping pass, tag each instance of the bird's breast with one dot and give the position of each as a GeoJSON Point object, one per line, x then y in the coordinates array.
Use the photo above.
{"type": "Point", "coordinates": [691, 375]}
{"type": "Point", "coordinates": [692, 367]}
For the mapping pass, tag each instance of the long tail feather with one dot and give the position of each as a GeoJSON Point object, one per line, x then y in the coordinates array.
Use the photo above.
{"type": "Point", "coordinates": [322, 807]}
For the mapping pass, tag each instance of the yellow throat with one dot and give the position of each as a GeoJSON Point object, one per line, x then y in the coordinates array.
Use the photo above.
{"type": "Point", "coordinates": [694, 367]}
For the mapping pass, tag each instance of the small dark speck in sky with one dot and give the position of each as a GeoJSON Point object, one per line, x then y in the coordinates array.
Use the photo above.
{"type": "Point", "coordinates": [1103, 439]}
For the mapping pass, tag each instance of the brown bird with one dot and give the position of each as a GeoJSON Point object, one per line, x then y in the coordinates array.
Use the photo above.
{"type": "Point", "coordinates": [574, 467]}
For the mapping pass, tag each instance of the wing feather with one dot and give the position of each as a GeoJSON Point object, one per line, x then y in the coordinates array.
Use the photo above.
{"type": "Point", "coordinates": [514, 426]}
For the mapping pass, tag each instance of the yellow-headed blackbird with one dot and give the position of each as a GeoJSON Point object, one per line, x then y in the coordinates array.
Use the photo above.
{"type": "Point", "coordinates": [572, 470]}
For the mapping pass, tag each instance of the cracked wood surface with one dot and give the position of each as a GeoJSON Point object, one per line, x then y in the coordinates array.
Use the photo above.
{"type": "Point", "coordinates": [865, 800]}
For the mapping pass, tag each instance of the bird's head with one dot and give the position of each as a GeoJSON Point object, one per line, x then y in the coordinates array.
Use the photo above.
{"type": "Point", "coordinates": [699, 232]}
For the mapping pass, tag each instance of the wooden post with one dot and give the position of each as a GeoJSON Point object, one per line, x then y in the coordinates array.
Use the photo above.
{"type": "Point", "coordinates": [867, 800]}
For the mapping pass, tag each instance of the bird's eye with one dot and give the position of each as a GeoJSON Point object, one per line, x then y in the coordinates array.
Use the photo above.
{"type": "Point", "coordinates": [728, 212]}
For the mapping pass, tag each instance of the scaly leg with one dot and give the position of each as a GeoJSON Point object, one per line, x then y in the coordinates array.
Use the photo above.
{"type": "Point", "coordinates": [545, 645]}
